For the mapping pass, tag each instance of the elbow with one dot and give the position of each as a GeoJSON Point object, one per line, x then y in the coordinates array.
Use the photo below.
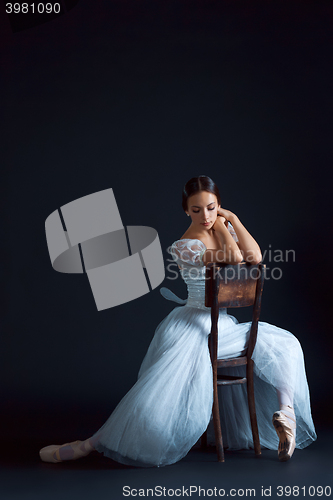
{"type": "Point", "coordinates": [254, 257]}
{"type": "Point", "coordinates": [257, 258]}
{"type": "Point", "coordinates": [238, 257]}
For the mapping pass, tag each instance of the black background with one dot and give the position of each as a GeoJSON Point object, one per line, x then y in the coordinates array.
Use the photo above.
{"type": "Point", "coordinates": [140, 96]}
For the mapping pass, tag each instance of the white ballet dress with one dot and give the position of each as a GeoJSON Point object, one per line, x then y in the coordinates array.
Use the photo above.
{"type": "Point", "coordinates": [170, 406]}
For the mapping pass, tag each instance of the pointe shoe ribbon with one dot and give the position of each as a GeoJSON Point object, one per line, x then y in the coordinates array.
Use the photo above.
{"type": "Point", "coordinates": [52, 453]}
{"type": "Point", "coordinates": [284, 429]}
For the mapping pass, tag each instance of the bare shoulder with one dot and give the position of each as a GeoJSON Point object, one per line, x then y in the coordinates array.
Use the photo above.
{"type": "Point", "coordinates": [187, 235]}
{"type": "Point", "coordinates": [195, 235]}
{"type": "Point", "coordinates": [191, 235]}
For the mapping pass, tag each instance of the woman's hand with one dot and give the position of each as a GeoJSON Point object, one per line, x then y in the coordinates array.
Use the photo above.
{"type": "Point", "coordinates": [223, 216]}
{"type": "Point", "coordinates": [221, 212]}
{"type": "Point", "coordinates": [220, 220]}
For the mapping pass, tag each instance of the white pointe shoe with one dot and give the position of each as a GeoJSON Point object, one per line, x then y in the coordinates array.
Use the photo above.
{"type": "Point", "coordinates": [284, 429]}
{"type": "Point", "coordinates": [52, 453]}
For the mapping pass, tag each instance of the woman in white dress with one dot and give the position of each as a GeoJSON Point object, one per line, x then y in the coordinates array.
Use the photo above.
{"type": "Point", "coordinates": [169, 407]}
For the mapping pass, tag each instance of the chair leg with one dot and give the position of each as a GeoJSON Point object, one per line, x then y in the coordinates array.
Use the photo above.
{"type": "Point", "coordinates": [252, 408]}
{"type": "Point", "coordinates": [213, 344]}
{"type": "Point", "coordinates": [217, 427]}
{"type": "Point", "coordinates": [203, 442]}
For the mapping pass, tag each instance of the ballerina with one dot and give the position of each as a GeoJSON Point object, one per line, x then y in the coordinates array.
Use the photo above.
{"type": "Point", "coordinates": [169, 407]}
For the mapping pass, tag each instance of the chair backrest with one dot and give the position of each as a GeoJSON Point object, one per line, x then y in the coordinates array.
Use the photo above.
{"type": "Point", "coordinates": [237, 285]}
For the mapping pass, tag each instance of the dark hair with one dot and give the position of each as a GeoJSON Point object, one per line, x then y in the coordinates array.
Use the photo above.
{"type": "Point", "coordinates": [197, 184]}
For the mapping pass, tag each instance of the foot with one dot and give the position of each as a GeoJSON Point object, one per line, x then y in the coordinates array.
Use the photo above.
{"type": "Point", "coordinates": [69, 451]}
{"type": "Point", "coordinates": [285, 425]}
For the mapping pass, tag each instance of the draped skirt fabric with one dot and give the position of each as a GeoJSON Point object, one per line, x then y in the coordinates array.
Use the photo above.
{"type": "Point", "coordinates": [169, 407]}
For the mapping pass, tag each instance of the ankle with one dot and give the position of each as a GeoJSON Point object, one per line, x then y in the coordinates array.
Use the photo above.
{"type": "Point", "coordinates": [289, 412]}
{"type": "Point", "coordinates": [86, 446]}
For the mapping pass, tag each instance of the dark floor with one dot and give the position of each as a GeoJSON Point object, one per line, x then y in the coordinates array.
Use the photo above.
{"type": "Point", "coordinates": [24, 476]}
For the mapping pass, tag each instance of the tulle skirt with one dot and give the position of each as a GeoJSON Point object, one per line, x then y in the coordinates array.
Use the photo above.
{"type": "Point", "coordinates": [170, 406]}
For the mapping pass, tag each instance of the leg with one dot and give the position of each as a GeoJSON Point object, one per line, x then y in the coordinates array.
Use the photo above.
{"type": "Point", "coordinates": [284, 420]}
{"type": "Point", "coordinates": [285, 426]}
{"type": "Point", "coordinates": [286, 405]}
{"type": "Point", "coordinates": [68, 451]}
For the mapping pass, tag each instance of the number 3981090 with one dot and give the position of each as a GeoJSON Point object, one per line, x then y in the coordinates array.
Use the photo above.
{"type": "Point", "coordinates": [32, 8]}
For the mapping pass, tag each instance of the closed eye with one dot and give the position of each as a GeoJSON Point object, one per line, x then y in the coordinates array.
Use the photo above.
{"type": "Point", "coordinates": [197, 211]}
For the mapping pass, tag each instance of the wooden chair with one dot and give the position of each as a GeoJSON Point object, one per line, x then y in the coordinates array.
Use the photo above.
{"type": "Point", "coordinates": [238, 285]}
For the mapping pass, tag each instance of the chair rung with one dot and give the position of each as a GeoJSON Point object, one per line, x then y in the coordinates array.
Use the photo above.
{"type": "Point", "coordinates": [230, 380]}
{"type": "Point", "coordinates": [232, 361]}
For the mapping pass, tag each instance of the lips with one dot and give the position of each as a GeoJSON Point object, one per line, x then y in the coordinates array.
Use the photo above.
{"type": "Point", "coordinates": [205, 223]}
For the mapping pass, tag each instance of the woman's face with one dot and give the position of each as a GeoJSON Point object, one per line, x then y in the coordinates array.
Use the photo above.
{"type": "Point", "coordinates": [202, 207]}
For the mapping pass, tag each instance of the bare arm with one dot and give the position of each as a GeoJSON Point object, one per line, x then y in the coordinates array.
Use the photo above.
{"type": "Point", "coordinates": [230, 253]}
{"type": "Point", "coordinates": [247, 244]}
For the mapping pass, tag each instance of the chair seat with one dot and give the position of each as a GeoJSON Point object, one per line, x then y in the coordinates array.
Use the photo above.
{"type": "Point", "coordinates": [242, 360]}
{"type": "Point", "coordinates": [230, 380]}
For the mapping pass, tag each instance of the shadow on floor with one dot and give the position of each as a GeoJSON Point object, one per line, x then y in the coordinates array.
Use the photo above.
{"type": "Point", "coordinates": [24, 476]}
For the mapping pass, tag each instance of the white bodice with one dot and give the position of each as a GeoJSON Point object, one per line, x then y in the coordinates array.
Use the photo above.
{"type": "Point", "coordinates": [194, 278]}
